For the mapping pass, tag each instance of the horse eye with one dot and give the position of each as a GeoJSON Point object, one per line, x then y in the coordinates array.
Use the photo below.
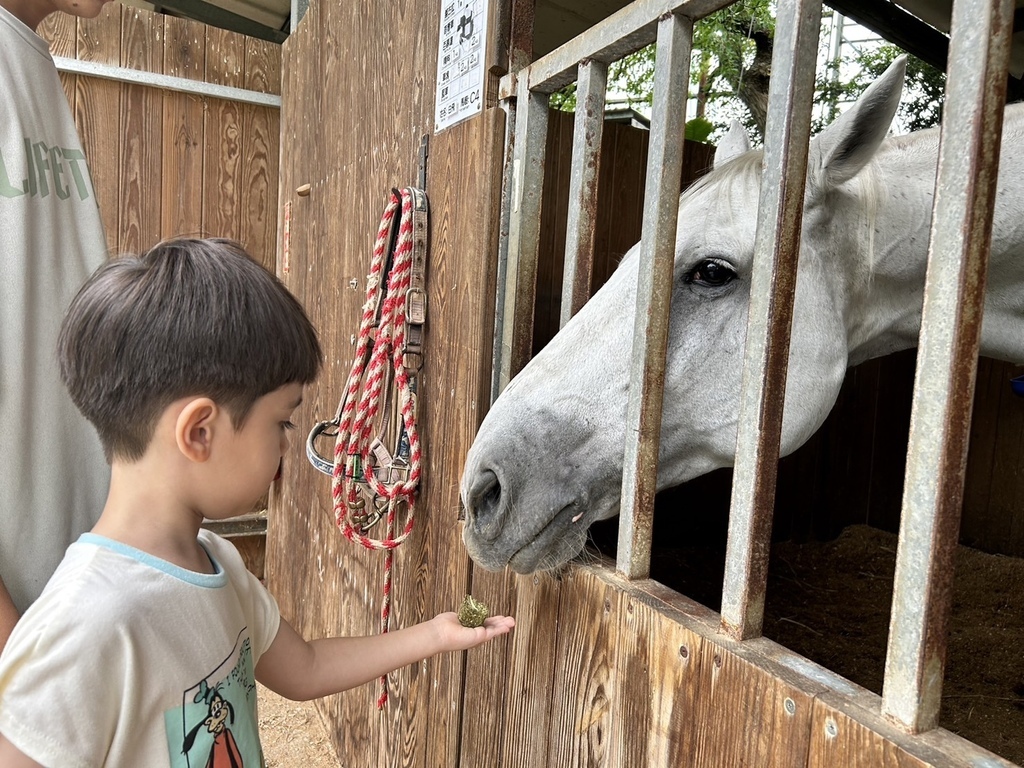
{"type": "Point", "coordinates": [712, 274]}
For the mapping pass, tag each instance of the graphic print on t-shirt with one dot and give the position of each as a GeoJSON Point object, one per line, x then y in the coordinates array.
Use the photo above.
{"type": "Point", "coordinates": [216, 727]}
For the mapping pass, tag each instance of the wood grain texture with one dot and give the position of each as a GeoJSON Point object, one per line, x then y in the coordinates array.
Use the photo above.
{"type": "Point", "coordinates": [353, 142]}
{"type": "Point", "coordinates": [183, 140]}
{"type": "Point", "coordinates": [848, 731]}
{"type": "Point", "coordinates": [98, 111]}
{"type": "Point", "coordinates": [586, 678]}
{"type": "Point", "coordinates": [60, 30]}
{"type": "Point", "coordinates": [261, 128]}
{"type": "Point", "coordinates": [141, 159]}
{"type": "Point", "coordinates": [222, 136]}
{"type": "Point", "coordinates": [137, 162]}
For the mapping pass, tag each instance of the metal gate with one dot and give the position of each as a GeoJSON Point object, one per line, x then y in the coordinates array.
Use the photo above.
{"type": "Point", "coordinates": [951, 322]}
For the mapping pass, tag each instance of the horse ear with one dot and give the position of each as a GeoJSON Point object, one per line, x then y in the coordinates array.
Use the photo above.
{"type": "Point", "coordinates": [847, 145]}
{"type": "Point", "coordinates": [735, 143]}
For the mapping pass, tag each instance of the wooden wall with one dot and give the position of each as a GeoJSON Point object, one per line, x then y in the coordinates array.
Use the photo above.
{"type": "Point", "coordinates": [358, 84]}
{"type": "Point", "coordinates": [640, 676]}
{"type": "Point", "coordinates": [166, 163]}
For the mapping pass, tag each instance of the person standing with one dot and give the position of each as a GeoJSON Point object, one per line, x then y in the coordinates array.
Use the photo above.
{"type": "Point", "coordinates": [53, 475]}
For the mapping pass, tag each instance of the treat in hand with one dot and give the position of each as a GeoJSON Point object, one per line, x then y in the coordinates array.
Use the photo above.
{"type": "Point", "coordinates": [472, 612]}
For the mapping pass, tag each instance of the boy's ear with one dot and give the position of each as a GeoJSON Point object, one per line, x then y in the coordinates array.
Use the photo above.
{"type": "Point", "coordinates": [194, 427]}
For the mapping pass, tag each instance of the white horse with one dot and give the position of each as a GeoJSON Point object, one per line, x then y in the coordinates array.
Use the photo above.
{"type": "Point", "coordinates": [547, 460]}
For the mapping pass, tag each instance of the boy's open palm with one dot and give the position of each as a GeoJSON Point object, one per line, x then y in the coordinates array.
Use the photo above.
{"type": "Point", "coordinates": [455, 637]}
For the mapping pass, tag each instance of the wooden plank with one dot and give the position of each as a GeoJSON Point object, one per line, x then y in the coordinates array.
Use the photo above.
{"type": "Point", "coordinates": [182, 140]}
{"type": "Point", "coordinates": [977, 524]}
{"type": "Point", "coordinates": [848, 731]}
{"type": "Point", "coordinates": [222, 131]}
{"type": "Point", "coordinates": [99, 39]}
{"type": "Point", "coordinates": [98, 112]}
{"type": "Point", "coordinates": [623, 190]}
{"type": "Point", "coordinates": [455, 397]}
{"type": "Point", "coordinates": [1007, 467]}
{"type": "Point", "coordinates": [310, 590]}
{"type": "Point", "coordinates": [735, 692]}
{"type": "Point", "coordinates": [656, 690]}
{"type": "Point", "coordinates": [531, 677]}
{"type": "Point", "coordinates": [551, 240]}
{"type": "Point", "coordinates": [585, 674]}
{"type": "Point", "coordinates": [351, 157]}
{"type": "Point", "coordinates": [838, 741]}
{"type": "Point", "coordinates": [674, 691]}
{"type": "Point", "coordinates": [60, 30]}
{"type": "Point", "coordinates": [142, 132]}
{"type": "Point", "coordinates": [261, 129]}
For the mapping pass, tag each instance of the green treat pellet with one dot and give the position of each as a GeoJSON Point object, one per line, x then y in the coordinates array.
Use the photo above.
{"type": "Point", "coordinates": [472, 612]}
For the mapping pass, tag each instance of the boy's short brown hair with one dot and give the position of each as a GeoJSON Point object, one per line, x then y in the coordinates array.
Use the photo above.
{"type": "Point", "coordinates": [190, 317]}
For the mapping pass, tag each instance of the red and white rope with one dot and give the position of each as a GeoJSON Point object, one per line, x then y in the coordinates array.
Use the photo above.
{"type": "Point", "coordinates": [365, 390]}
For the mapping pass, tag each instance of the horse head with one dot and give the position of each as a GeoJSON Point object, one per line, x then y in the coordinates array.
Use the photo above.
{"type": "Point", "coordinates": [547, 460]}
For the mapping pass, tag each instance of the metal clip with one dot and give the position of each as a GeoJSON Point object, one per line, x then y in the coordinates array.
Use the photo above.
{"type": "Point", "coordinates": [322, 464]}
{"type": "Point", "coordinates": [416, 306]}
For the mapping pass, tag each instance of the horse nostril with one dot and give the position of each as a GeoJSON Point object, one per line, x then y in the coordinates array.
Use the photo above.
{"type": "Point", "coordinates": [484, 509]}
{"type": "Point", "coordinates": [492, 496]}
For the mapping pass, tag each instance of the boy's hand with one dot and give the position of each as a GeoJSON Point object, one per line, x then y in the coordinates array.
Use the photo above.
{"type": "Point", "coordinates": [455, 637]}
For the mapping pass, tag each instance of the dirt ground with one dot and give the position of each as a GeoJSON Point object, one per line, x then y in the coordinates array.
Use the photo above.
{"type": "Point", "coordinates": [828, 601]}
{"type": "Point", "coordinates": [292, 734]}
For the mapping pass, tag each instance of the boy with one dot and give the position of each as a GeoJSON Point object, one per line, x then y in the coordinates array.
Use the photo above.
{"type": "Point", "coordinates": [53, 240]}
{"type": "Point", "coordinates": [141, 651]}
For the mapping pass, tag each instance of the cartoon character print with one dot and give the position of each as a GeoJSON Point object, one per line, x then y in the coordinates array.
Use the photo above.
{"type": "Point", "coordinates": [216, 723]}
{"type": "Point", "coordinates": [224, 753]}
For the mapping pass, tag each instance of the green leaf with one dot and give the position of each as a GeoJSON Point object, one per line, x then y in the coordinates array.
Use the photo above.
{"type": "Point", "coordinates": [698, 129]}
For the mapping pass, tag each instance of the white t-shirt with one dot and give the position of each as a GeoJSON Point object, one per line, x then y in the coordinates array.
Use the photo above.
{"type": "Point", "coordinates": [52, 471]}
{"type": "Point", "coordinates": [128, 660]}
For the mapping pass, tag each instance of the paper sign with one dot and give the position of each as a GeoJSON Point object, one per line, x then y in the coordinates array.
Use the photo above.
{"type": "Point", "coordinates": [460, 61]}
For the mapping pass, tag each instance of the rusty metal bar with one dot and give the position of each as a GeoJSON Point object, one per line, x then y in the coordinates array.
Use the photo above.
{"type": "Point", "coordinates": [527, 172]}
{"type": "Point", "coordinates": [504, 217]}
{"type": "Point", "coordinates": [622, 33]}
{"type": "Point", "coordinates": [517, 42]}
{"type": "Point", "coordinates": [578, 269]}
{"type": "Point", "coordinates": [946, 360]}
{"type": "Point", "coordinates": [773, 283]}
{"type": "Point", "coordinates": [654, 295]}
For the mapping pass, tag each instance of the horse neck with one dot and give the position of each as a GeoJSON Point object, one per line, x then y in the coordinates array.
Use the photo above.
{"type": "Point", "coordinates": [885, 282]}
{"type": "Point", "coordinates": [887, 298]}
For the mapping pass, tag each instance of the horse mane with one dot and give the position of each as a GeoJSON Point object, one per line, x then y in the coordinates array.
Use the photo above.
{"type": "Point", "coordinates": [745, 167]}
{"type": "Point", "coordinates": [864, 191]}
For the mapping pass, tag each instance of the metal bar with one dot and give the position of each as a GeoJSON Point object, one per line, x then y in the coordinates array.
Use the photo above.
{"type": "Point", "coordinates": [622, 33]}
{"type": "Point", "coordinates": [578, 269]}
{"type": "Point", "coordinates": [772, 287]}
{"type": "Point", "coordinates": [946, 360]}
{"type": "Point", "coordinates": [167, 82]}
{"type": "Point", "coordinates": [654, 295]}
{"type": "Point", "coordinates": [501, 286]}
{"type": "Point", "coordinates": [531, 132]}
{"type": "Point", "coordinates": [517, 42]}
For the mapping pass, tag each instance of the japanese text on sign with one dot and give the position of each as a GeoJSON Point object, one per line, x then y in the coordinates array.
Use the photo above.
{"type": "Point", "coordinates": [460, 61]}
